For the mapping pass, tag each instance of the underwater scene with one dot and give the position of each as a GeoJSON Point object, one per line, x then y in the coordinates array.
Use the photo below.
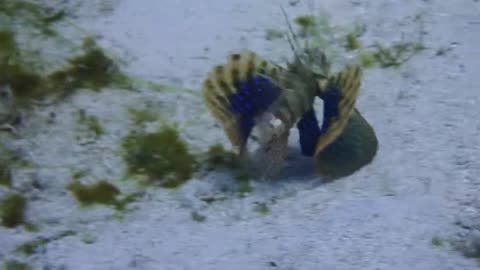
{"type": "Point", "coordinates": [242, 134]}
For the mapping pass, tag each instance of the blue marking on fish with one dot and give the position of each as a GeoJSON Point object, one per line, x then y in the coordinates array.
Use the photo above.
{"type": "Point", "coordinates": [331, 100]}
{"type": "Point", "coordinates": [308, 127]}
{"type": "Point", "coordinates": [309, 132]}
{"type": "Point", "coordinates": [253, 97]}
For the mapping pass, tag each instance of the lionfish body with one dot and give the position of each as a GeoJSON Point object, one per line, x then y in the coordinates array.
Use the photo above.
{"type": "Point", "coordinates": [249, 92]}
{"type": "Point", "coordinates": [248, 87]}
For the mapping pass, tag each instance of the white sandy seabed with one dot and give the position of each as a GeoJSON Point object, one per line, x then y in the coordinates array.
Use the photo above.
{"type": "Point", "coordinates": [423, 184]}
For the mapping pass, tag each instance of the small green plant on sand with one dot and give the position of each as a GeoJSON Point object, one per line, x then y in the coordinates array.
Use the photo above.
{"type": "Point", "coordinates": [162, 156]}
{"type": "Point", "coordinates": [218, 157]}
{"type": "Point", "coordinates": [397, 54]}
{"type": "Point", "coordinates": [352, 42]}
{"type": "Point", "coordinates": [367, 60]}
{"type": "Point", "coordinates": [243, 185]}
{"type": "Point", "coordinates": [91, 122]}
{"type": "Point", "coordinates": [336, 40]}
{"type": "Point", "coordinates": [468, 245]}
{"type": "Point", "coordinates": [88, 238]}
{"type": "Point", "coordinates": [15, 265]}
{"type": "Point", "coordinates": [31, 71]}
{"type": "Point", "coordinates": [198, 217]}
{"type": "Point", "coordinates": [30, 247]}
{"type": "Point", "coordinates": [142, 116]}
{"type": "Point", "coordinates": [437, 241]}
{"type": "Point", "coordinates": [25, 84]}
{"type": "Point", "coordinates": [12, 210]}
{"type": "Point", "coordinates": [101, 192]}
{"type": "Point", "coordinates": [5, 174]}
{"type": "Point", "coordinates": [8, 45]}
{"type": "Point", "coordinates": [92, 70]}
{"type": "Point", "coordinates": [307, 24]}
{"type": "Point", "coordinates": [262, 209]}
{"type": "Point", "coordinates": [32, 14]}
{"type": "Point", "coordinates": [78, 174]}
{"type": "Point", "coordinates": [9, 161]}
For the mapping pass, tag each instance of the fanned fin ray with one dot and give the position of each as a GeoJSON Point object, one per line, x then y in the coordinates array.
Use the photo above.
{"type": "Point", "coordinates": [309, 131]}
{"type": "Point", "coordinates": [238, 91]}
{"type": "Point", "coordinates": [339, 103]}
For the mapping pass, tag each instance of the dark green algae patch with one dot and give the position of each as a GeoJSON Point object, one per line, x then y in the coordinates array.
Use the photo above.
{"type": "Point", "coordinates": [32, 14]}
{"type": "Point", "coordinates": [164, 158]}
{"type": "Point", "coordinates": [27, 66]}
{"type": "Point", "coordinates": [101, 193]}
{"type": "Point", "coordinates": [5, 174]}
{"type": "Point", "coordinates": [161, 156]}
{"type": "Point", "coordinates": [12, 210]}
{"type": "Point", "coordinates": [15, 265]}
{"type": "Point", "coordinates": [92, 69]}
{"type": "Point", "coordinates": [217, 157]}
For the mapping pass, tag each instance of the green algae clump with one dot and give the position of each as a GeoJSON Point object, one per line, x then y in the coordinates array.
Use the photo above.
{"type": "Point", "coordinates": [397, 54]}
{"type": "Point", "coordinates": [8, 45]}
{"type": "Point", "coordinates": [25, 84]}
{"type": "Point", "coordinates": [31, 247]}
{"type": "Point", "coordinates": [198, 217]}
{"type": "Point", "coordinates": [31, 13]}
{"type": "Point", "coordinates": [305, 21]}
{"type": "Point", "coordinates": [218, 157]}
{"type": "Point", "coordinates": [262, 209]}
{"type": "Point", "coordinates": [352, 42]}
{"type": "Point", "coordinates": [307, 24]}
{"type": "Point", "coordinates": [367, 60]}
{"type": "Point", "coordinates": [12, 210]}
{"type": "Point", "coordinates": [15, 265]}
{"type": "Point", "coordinates": [91, 122]}
{"type": "Point", "coordinates": [243, 185]}
{"type": "Point", "coordinates": [93, 69]}
{"type": "Point", "coordinates": [5, 175]}
{"type": "Point", "coordinates": [28, 66]}
{"type": "Point", "coordinates": [101, 192]}
{"type": "Point", "coordinates": [162, 157]}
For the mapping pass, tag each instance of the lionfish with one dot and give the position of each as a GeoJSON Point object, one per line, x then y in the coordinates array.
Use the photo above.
{"type": "Point", "coordinates": [250, 92]}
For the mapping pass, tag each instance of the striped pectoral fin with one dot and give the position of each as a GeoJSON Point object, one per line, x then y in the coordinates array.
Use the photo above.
{"type": "Point", "coordinates": [240, 90]}
{"type": "Point", "coordinates": [309, 132]}
{"type": "Point", "coordinates": [252, 97]}
{"type": "Point", "coordinates": [238, 106]}
{"type": "Point", "coordinates": [339, 103]}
